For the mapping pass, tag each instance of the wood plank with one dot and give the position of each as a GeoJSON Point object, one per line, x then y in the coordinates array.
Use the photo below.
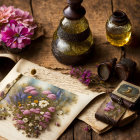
{"type": "Point", "coordinates": [22, 4]}
{"type": "Point", "coordinates": [68, 134]}
{"type": "Point", "coordinates": [80, 133]}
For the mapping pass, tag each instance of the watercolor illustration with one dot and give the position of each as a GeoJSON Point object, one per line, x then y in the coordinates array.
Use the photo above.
{"type": "Point", "coordinates": [113, 110]}
{"type": "Point", "coordinates": [34, 104]}
{"type": "Point", "coordinates": [128, 91]}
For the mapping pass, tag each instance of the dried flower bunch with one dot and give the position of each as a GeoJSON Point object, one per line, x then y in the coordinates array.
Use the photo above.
{"type": "Point", "coordinates": [32, 113]}
{"type": "Point", "coordinates": [16, 27]}
{"type": "Point", "coordinates": [85, 76]}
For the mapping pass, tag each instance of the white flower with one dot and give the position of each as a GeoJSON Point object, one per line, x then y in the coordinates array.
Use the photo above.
{"type": "Point", "coordinates": [41, 113]}
{"type": "Point", "coordinates": [37, 118]}
{"type": "Point", "coordinates": [60, 112]}
{"type": "Point", "coordinates": [40, 127]}
{"type": "Point", "coordinates": [25, 120]}
{"type": "Point", "coordinates": [43, 103]}
{"type": "Point", "coordinates": [30, 124]}
{"type": "Point", "coordinates": [33, 104]}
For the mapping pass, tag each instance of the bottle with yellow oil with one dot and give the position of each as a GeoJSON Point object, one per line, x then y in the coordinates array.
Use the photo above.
{"type": "Point", "coordinates": [73, 41]}
{"type": "Point", "coordinates": [118, 29]}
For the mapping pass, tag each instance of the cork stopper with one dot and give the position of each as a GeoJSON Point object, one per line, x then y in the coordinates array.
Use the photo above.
{"type": "Point", "coordinates": [74, 10]}
{"type": "Point", "coordinates": [119, 18]}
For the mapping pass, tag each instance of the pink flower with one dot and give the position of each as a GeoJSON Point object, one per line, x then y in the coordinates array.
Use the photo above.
{"type": "Point", "coordinates": [24, 18]}
{"type": "Point", "coordinates": [51, 109]}
{"type": "Point", "coordinates": [37, 112]}
{"type": "Point", "coordinates": [37, 109]}
{"type": "Point", "coordinates": [22, 110]}
{"type": "Point", "coordinates": [15, 35]}
{"type": "Point", "coordinates": [26, 112]}
{"type": "Point", "coordinates": [22, 127]}
{"type": "Point", "coordinates": [52, 96]}
{"type": "Point", "coordinates": [47, 113]}
{"type": "Point", "coordinates": [28, 89]}
{"type": "Point", "coordinates": [19, 116]}
{"type": "Point", "coordinates": [6, 13]}
{"type": "Point", "coordinates": [46, 92]}
{"type": "Point", "coordinates": [47, 116]}
{"type": "Point", "coordinates": [46, 120]}
{"type": "Point", "coordinates": [20, 122]}
{"type": "Point", "coordinates": [33, 92]}
{"type": "Point", "coordinates": [42, 124]}
{"type": "Point", "coordinates": [33, 110]}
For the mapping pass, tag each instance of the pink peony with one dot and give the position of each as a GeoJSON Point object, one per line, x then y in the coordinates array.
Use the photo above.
{"type": "Point", "coordinates": [37, 112]}
{"type": "Point", "coordinates": [19, 116]}
{"type": "Point", "coordinates": [6, 13]}
{"type": "Point", "coordinates": [46, 116]}
{"type": "Point", "coordinates": [46, 120]}
{"type": "Point", "coordinates": [28, 89]}
{"type": "Point", "coordinates": [22, 127]}
{"type": "Point", "coordinates": [24, 18]}
{"type": "Point", "coordinates": [47, 113]}
{"type": "Point", "coordinates": [46, 92]}
{"type": "Point", "coordinates": [20, 122]}
{"type": "Point", "coordinates": [37, 109]}
{"type": "Point", "coordinates": [15, 35]}
{"type": "Point", "coordinates": [51, 109]}
{"type": "Point", "coordinates": [32, 110]}
{"type": "Point", "coordinates": [33, 92]}
{"type": "Point", "coordinates": [26, 112]}
{"type": "Point", "coordinates": [52, 96]}
{"type": "Point", "coordinates": [42, 124]}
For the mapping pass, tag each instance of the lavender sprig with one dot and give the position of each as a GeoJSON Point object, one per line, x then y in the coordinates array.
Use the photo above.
{"type": "Point", "coordinates": [85, 76]}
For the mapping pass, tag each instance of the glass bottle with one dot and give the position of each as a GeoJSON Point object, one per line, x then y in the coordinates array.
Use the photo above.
{"type": "Point", "coordinates": [73, 41]}
{"type": "Point", "coordinates": [118, 29]}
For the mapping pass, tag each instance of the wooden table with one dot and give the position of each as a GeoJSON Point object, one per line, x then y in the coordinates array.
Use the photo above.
{"type": "Point", "coordinates": [49, 13]}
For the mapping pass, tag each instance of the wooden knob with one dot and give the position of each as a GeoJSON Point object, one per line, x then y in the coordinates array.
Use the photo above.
{"type": "Point", "coordinates": [73, 2]}
{"type": "Point", "coordinates": [74, 10]}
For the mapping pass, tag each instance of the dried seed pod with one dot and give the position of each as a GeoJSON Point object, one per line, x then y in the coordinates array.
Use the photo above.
{"type": "Point", "coordinates": [125, 68]}
{"type": "Point", "coordinates": [105, 69]}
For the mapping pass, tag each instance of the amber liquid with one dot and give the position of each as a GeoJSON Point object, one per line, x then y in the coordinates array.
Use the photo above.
{"type": "Point", "coordinates": [73, 27]}
{"type": "Point", "coordinates": [118, 40]}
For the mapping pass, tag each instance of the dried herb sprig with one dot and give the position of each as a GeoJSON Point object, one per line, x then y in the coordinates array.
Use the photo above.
{"type": "Point", "coordinates": [85, 76]}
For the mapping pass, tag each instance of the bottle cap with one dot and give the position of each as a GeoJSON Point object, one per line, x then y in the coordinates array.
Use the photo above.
{"type": "Point", "coordinates": [119, 18]}
{"type": "Point", "coordinates": [74, 10]}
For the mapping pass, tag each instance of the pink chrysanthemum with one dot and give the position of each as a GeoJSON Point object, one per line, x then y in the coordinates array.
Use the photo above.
{"type": "Point", "coordinates": [6, 13]}
{"type": "Point", "coordinates": [15, 35]}
{"type": "Point", "coordinates": [24, 18]}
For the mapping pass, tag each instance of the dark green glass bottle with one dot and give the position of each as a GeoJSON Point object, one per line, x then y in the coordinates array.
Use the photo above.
{"type": "Point", "coordinates": [73, 41]}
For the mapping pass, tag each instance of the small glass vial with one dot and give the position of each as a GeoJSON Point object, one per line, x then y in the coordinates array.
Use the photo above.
{"type": "Point", "coordinates": [73, 41]}
{"type": "Point", "coordinates": [118, 29]}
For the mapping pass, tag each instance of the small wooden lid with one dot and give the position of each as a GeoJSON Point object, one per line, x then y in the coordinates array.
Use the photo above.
{"type": "Point", "coordinates": [74, 10]}
{"type": "Point", "coordinates": [119, 18]}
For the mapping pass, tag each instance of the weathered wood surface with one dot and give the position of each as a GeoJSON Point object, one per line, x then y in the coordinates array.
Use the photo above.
{"type": "Point", "coordinates": [49, 13]}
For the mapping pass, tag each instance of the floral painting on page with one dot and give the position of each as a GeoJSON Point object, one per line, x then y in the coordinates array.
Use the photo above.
{"type": "Point", "coordinates": [34, 104]}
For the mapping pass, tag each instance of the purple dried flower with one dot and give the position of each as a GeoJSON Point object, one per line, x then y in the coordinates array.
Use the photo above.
{"type": "Point", "coordinates": [85, 76]}
{"type": "Point", "coordinates": [87, 128]}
